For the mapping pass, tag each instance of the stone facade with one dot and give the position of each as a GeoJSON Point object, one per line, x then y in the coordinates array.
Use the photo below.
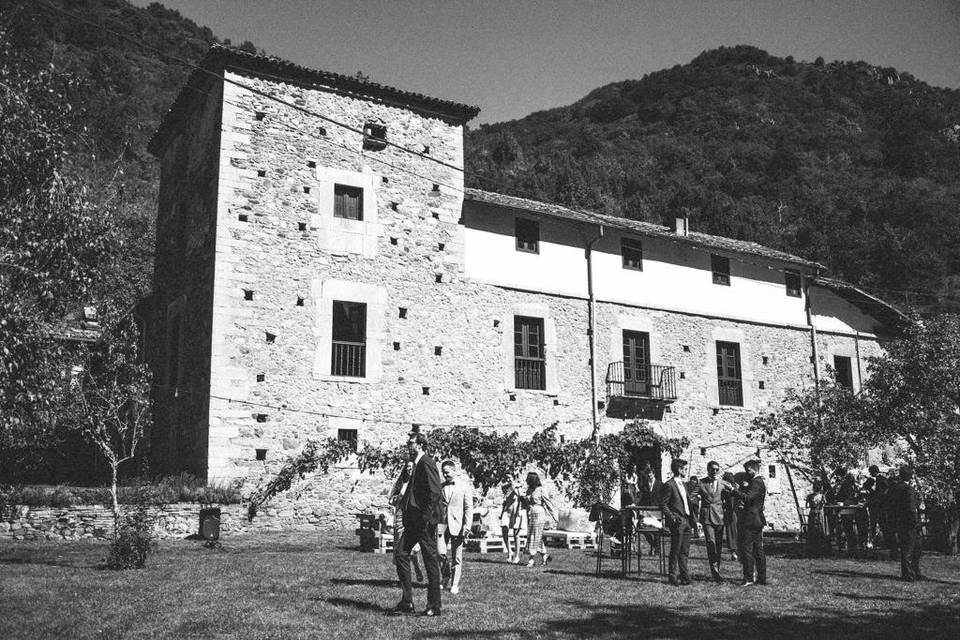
{"type": "Point", "coordinates": [261, 258]}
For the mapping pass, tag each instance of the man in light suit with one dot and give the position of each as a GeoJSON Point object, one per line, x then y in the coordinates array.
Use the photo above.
{"type": "Point", "coordinates": [710, 494]}
{"type": "Point", "coordinates": [678, 517]}
{"type": "Point", "coordinates": [421, 508]}
{"type": "Point", "coordinates": [456, 518]}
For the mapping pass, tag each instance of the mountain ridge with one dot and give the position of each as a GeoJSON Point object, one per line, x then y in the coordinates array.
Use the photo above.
{"type": "Point", "coordinates": [845, 163]}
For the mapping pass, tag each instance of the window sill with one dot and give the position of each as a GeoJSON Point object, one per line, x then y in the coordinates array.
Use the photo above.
{"type": "Point", "coordinates": [353, 379]}
{"type": "Point", "coordinates": [537, 392]}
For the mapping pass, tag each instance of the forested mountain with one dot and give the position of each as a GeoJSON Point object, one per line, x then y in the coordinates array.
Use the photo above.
{"type": "Point", "coordinates": [851, 165]}
{"type": "Point", "coordinates": [118, 92]}
{"type": "Point", "coordinates": [845, 163]}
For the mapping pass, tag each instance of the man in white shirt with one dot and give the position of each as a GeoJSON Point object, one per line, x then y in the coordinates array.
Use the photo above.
{"type": "Point", "coordinates": [679, 519]}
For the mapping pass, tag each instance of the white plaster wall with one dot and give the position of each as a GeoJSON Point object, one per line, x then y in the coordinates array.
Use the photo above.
{"type": "Point", "coordinates": [675, 277]}
{"type": "Point", "coordinates": [833, 313]}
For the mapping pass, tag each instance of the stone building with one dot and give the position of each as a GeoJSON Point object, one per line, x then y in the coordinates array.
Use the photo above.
{"type": "Point", "coordinates": [322, 271]}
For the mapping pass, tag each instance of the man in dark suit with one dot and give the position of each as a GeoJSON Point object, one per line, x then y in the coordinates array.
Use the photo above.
{"type": "Point", "coordinates": [421, 513]}
{"type": "Point", "coordinates": [753, 493]}
{"type": "Point", "coordinates": [905, 509]}
{"type": "Point", "coordinates": [710, 496]}
{"type": "Point", "coordinates": [678, 517]}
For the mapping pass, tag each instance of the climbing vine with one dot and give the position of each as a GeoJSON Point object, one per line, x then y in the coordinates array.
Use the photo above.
{"type": "Point", "coordinates": [585, 470]}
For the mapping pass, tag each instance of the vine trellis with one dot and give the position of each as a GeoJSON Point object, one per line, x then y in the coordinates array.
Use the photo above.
{"type": "Point", "coordinates": [587, 471]}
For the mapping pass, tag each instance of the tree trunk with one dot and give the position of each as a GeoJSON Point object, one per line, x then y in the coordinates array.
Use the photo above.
{"type": "Point", "coordinates": [951, 526]}
{"type": "Point", "coordinates": [116, 503]}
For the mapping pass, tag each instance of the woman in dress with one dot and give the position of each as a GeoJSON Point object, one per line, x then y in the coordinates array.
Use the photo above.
{"type": "Point", "coordinates": [512, 522]}
{"type": "Point", "coordinates": [730, 515]}
{"type": "Point", "coordinates": [817, 542]}
{"type": "Point", "coordinates": [534, 502]}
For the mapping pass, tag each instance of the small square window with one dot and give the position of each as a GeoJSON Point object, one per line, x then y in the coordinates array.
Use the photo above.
{"type": "Point", "coordinates": [242, 217]}
{"type": "Point", "coordinates": [260, 454]}
{"type": "Point", "coordinates": [720, 266]}
{"type": "Point", "coordinates": [260, 115]}
{"type": "Point", "coordinates": [261, 173]}
{"type": "Point", "coordinates": [772, 471]}
{"type": "Point", "coordinates": [403, 312]}
{"type": "Point", "coordinates": [311, 164]}
{"type": "Point", "coordinates": [348, 435]}
{"type": "Point", "coordinates": [632, 252]}
{"type": "Point", "coordinates": [528, 235]}
{"type": "Point", "coordinates": [347, 202]}
{"type": "Point", "coordinates": [843, 371]}
{"type": "Point", "coordinates": [793, 282]}
{"type": "Point", "coordinates": [374, 136]}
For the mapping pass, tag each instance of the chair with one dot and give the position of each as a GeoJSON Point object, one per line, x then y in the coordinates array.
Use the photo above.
{"type": "Point", "coordinates": [608, 523]}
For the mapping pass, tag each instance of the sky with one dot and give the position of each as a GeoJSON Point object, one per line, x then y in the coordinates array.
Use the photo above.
{"type": "Point", "coordinates": [511, 58]}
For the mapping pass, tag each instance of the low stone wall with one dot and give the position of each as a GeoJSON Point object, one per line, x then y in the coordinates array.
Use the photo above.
{"type": "Point", "coordinates": [178, 520]}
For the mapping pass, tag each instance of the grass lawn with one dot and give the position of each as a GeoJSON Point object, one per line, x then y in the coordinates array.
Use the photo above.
{"type": "Point", "coordinates": [302, 585]}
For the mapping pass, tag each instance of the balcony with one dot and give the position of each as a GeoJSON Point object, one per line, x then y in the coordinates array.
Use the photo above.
{"type": "Point", "coordinates": [530, 373]}
{"type": "Point", "coordinates": [633, 390]}
{"type": "Point", "coordinates": [348, 359]}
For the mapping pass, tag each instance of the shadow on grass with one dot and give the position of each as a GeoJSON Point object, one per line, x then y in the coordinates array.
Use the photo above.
{"type": "Point", "coordinates": [627, 621]}
{"type": "Point", "coordinates": [359, 605]}
{"type": "Point", "coordinates": [615, 575]}
{"type": "Point", "coordinates": [844, 573]}
{"type": "Point", "coordinates": [366, 582]}
{"type": "Point", "coordinates": [65, 564]}
{"type": "Point", "coordinates": [860, 596]}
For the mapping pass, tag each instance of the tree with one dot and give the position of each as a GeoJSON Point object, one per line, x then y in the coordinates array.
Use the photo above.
{"type": "Point", "coordinates": [53, 247]}
{"type": "Point", "coordinates": [111, 401]}
{"type": "Point", "coordinates": [914, 398]}
{"type": "Point", "coordinates": [817, 431]}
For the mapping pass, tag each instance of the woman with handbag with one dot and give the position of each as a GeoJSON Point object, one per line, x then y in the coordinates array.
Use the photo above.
{"type": "Point", "coordinates": [536, 504]}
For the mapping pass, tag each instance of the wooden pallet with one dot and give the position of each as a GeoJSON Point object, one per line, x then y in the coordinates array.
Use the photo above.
{"type": "Point", "coordinates": [570, 539]}
{"type": "Point", "coordinates": [490, 545]}
{"type": "Point", "coordinates": [384, 543]}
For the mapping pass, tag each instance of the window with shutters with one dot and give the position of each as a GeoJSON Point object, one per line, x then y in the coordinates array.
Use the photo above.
{"type": "Point", "coordinates": [528, 350]}
{"type": "Point", "coordinates": [528, 235]}
{"type": "Point", "coordinates": [793, 283]}
{"type": "Point", "coordinates": [729, 378]}
{"type": "Point", "coordinates": [347, 202]}
{"type": "Point", "coordinates": [348, 357]}
{"type": "Point", "coordinates": [721, 269]}
{"type": "Point", "coordinates": [843, 371]}
{"type": "Point", "coordinates": [632, 252]}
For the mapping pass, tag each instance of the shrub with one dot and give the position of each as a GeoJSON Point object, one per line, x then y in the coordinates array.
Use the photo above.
{"type": "Point", "coordinates": [134, 538]}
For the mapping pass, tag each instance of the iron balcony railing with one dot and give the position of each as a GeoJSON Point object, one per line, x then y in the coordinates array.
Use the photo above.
{"type": "Point", "coordinates": [731, 392]}
{"type": "Point", "coordinates": [530, 373]}
{"type": "Point", "coordinates": [348, 359]}
{"type": "Point", "coordinates": [649, 381]}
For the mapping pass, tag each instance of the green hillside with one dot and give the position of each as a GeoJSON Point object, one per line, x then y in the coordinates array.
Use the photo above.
{"type": "Point", "coordinates": [844, 163]}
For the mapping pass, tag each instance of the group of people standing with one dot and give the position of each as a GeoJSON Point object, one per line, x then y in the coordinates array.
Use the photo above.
{"type": "Point", "coordinates": [887, 507]}
{"type": "Point", "coordinates": [525, 509]}
{"type": "Point", "coordinates": [715, 503]}
{"type": "Point", "coordinates": [433, 518]}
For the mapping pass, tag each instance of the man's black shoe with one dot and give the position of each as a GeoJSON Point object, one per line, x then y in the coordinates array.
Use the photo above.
{"type": "Point", "coordinates": [717, 578]}
{"type": "Point", "coordinates": [430, 612]}
{"type": "Point", "coordinates": [402, 609]}
{"type": "Point", "coordinates": [685, 582]}
{"type": "Point", "coordinates": [674, 582]}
